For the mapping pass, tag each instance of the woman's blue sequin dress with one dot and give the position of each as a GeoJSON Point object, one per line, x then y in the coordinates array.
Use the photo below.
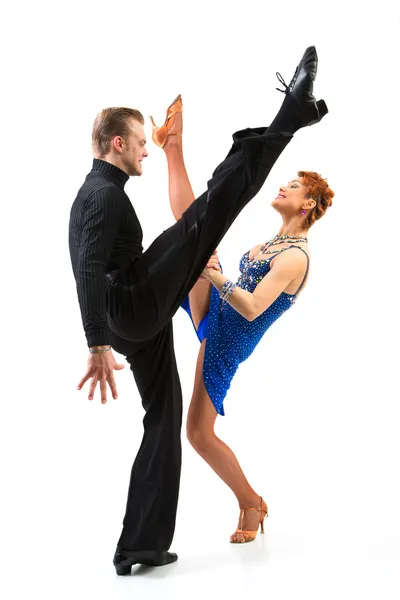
{"type": "Point", "coordinates": [230, 337]}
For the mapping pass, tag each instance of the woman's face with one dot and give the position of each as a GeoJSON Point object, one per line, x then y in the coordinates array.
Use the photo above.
{"type": "Point", "coordinates": [291, 197]}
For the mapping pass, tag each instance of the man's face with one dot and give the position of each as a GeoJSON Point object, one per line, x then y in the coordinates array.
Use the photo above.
{"type": "Point", "coordinates": [134, 149]}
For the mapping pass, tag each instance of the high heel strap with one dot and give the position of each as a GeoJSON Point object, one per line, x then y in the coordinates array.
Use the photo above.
{"type": "Point", "coordinates": [259, 508]}
{"type": "Point", "coordinates": [176, 101]}
{"type": "Point", "coordinates": [170, 111]}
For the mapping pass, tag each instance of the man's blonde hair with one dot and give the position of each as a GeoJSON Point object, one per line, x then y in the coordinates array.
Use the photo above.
{"type": "Point", "coordinates": [109, 123]}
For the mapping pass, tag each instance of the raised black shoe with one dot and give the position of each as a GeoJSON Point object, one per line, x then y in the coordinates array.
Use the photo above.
{"type": "Point", "coordinates": [154, 558]}
{"type": "Point", "coordinates": [299, 94]}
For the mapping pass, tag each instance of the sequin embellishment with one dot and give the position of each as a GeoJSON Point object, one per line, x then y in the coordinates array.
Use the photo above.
{"type": "Point", "coordinates": [231, 339]}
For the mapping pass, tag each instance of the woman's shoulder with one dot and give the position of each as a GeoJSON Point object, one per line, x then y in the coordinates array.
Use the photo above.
{"type": "Point", "coordinates": [304, 249]}
{"type": "Point", "coordinates": [295, 257]}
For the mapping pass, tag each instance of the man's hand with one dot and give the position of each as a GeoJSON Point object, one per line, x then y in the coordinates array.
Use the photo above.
{"type": "Point", "coordinates": [100, 369]}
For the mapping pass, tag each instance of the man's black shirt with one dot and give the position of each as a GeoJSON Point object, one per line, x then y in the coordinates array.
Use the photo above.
{"type": "Point", "coordinates": [104, 235]}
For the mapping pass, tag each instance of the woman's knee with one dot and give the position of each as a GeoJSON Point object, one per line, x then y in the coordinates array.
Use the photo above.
{"type": "Point", "coordinates": [199, 436]}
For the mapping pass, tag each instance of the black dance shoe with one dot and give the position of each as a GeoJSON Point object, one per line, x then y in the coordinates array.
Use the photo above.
{"type": "Point", "coordinates": [300, 90]}
{"type": "Point", "coordinates": [153, 558]}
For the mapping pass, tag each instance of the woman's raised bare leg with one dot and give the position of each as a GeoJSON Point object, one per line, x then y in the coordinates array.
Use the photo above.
{"type": "Point", "coordinates": [181, 196]}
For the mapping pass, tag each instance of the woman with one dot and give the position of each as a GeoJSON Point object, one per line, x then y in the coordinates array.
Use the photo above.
{"type": "Point", "coordinates": [231, 318]}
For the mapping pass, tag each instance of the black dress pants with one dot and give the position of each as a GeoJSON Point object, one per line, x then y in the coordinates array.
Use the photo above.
{"type": "Point", "coordinates": [141, 304]}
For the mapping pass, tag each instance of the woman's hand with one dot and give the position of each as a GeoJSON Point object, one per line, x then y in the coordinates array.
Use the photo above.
{"type": "Point", "coordinates": [208, 274]}
{"type": "Point", "coordinates": [212, 266]}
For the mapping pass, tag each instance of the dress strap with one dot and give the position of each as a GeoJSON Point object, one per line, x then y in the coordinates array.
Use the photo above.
{"type": "Point", "coordinates": [308, 264]}
{"type": "Point", "coordinates": [306, 273]}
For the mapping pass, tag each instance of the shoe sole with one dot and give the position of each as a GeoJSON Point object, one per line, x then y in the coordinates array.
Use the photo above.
{"type": "Point", "coordinates": [144, 558]}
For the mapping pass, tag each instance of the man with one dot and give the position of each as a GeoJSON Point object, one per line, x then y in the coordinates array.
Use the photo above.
{"type": "Point", "coordinates": [128, 298]}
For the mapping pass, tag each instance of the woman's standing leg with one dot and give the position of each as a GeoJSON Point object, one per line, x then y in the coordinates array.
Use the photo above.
{"type": "Point", "coordinates": [200, 432]}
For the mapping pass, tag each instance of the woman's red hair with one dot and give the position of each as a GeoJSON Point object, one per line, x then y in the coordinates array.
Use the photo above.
{"type": "Point", "coordinates": [319, 190]}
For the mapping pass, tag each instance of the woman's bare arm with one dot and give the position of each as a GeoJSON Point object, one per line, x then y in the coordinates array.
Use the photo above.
{"type": "Point", "coordinates": [285, 268]}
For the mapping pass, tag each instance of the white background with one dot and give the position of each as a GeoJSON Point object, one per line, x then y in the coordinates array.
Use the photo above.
{"type": "Point", "coordinates": [313, 416]}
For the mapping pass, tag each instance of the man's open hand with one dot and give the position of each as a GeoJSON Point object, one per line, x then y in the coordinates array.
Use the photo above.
{"type": "Point", "coordinates": [101, 369]}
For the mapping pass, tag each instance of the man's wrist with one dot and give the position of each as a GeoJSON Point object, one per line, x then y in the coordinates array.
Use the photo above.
{"type": "Point", "coordinates": [99, 349]}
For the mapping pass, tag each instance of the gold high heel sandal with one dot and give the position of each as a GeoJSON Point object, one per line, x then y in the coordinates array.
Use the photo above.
{"type": "Point", "coordinates": [249, 536]}
{"type": "Point", "coordinates": [160, 134]}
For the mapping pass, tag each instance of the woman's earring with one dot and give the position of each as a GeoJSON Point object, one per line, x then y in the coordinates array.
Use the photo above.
{"type": "Point", "coordinates": [303, 212]}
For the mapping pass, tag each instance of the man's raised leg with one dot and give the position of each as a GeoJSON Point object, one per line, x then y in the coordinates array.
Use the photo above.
{"type": "Point", "coordinates": [142, 302]}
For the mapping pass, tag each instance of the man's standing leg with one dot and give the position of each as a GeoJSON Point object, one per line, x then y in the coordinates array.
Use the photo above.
{"type": "Point", "coordinates": [149, 521]}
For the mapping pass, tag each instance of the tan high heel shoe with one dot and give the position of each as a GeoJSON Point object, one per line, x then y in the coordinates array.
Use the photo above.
{"type": "Point", "coordinates": [249, 536]}
{"type": "Point", "coordinates": [160, 134]}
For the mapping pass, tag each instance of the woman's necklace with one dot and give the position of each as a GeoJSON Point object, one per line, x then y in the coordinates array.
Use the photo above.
{"type": "Point", "coordinates": [280, 239]}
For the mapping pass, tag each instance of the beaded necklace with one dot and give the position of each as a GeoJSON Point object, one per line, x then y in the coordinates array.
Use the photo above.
{"type": "Point", "coordinates": [280, 239]}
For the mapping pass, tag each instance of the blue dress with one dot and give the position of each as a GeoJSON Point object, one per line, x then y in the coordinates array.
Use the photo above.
{"type": "Point", "coordinates": [230, 337]}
